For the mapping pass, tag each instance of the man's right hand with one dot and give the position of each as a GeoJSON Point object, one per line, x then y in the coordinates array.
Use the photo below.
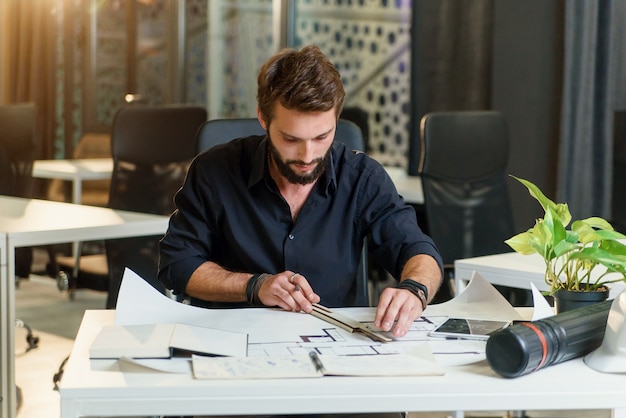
{"type": "Point", "coordinates": [289, 290]}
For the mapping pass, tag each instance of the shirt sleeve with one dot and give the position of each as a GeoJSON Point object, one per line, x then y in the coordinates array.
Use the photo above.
{"type": "Point", "coordinates": [391, 224]}
{"type": "Point", "coordinates": [187, 242]}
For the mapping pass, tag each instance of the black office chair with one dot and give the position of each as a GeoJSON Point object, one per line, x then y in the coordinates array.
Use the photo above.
{"type": "Point", "coordinates": [464, 157]}
{"type": "Point", "coordinates": [218, 131]}
{"type": "Point", "coordinates": [152, 148]}
{"type": "Point", "coordinates": [17, 153]}
{"type": "Point", "coordinates": [361, 118]}
{"type": "Point", "coordinates": [350, 134]}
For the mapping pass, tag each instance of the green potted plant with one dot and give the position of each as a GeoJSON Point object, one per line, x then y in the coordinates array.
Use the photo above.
{"type": "Point", "coordinates": [572, 254]}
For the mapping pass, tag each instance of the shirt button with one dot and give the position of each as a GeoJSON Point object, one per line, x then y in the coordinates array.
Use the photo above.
{"type": "Point", "coordinates": [291, 236]}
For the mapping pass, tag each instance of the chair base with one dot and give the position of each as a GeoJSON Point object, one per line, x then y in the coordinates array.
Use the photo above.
{"type": "Point", "coordinates": [93, 273]}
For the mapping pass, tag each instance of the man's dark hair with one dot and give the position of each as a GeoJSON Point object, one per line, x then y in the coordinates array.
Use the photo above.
{"type": "Point", "coordinates": [303, 80]}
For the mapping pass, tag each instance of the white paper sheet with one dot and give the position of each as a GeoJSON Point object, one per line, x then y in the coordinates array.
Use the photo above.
{"type": "Point", "coordinates": [479, 300]}
{"type": "Point", "coordinates": [542, 308]}
{"type": "Point", "coordinates": [140, 303]}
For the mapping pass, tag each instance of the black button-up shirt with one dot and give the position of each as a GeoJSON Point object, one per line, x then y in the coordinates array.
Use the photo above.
{"type": "Point", "coordinates": [230, 211]}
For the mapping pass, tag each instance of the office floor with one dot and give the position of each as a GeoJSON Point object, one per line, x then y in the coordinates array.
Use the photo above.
{"type": "Point", "coordinates": [55, 320]}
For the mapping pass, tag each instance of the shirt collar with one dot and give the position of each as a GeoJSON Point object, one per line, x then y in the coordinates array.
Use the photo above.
{"type": "Point", "coordinates": [259, 163]}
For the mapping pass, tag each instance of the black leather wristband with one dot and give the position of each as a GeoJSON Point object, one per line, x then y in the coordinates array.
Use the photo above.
{"type": "Point", "coordinates": [252, 288]}
{"type": "Point", "coordinates": [417, 288]}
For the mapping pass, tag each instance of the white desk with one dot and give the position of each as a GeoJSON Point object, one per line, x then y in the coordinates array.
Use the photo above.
{"type": "Point", "coordinates": [510, 269]}
{"type": "Point", "coordinates": [75, 171]}
{"type": "Point", "coordinates": [88, 392]}
{"type": "Point", "coordinates": [410, 187]}
{"type": "Point", "coordinates": [31, 222]}
{"type": "Point", "coordinates": [7, 328]}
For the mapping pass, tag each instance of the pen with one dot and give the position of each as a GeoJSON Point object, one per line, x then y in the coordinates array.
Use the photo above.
{"type": "Point", "coordinates": [316, 361]}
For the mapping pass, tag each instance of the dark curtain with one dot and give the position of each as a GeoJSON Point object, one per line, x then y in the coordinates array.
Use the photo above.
{"type": "Point", "coordinates": [451, 57]}
{"type": "Point", "coordinates": [29, 56]}
{"type": "Point", "coordinates": [592, 85]}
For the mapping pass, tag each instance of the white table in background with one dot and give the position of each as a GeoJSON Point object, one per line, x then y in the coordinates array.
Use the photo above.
{"type": "Point", "coordinates": [510, 269]}
{"type": "Point", "coordinates": [410, 187]}
{"type": "Point", "coordinates": [87, 392]}
{"type": "Point", "coordinates": [32, 222]}
{"type": "Point", "coordinates": [75, 171]}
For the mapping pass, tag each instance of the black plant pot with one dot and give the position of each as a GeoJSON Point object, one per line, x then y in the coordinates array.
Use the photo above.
{"type": "Point", "coordinates": [566, 300]}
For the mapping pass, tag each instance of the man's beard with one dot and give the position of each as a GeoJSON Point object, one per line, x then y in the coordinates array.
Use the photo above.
{"type": "Point", "coordinates": [285, 170]}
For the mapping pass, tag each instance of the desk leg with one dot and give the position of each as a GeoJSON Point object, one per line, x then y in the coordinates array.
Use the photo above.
{"type": "Point", "coordinates": [8, 403]}
{"type": "Point", "coordinates": [5, 325]}
{"type": "Point", "coordinates": [77, 191]}
{"type": "Point", "coordinates": [69, 409]}
{"type": "Point", "coordinates": [77, 247]}
{"type": "Point", "coordinates": [76, 250]}
{"type": "Point", "coordinates": [618, 413]}
{"type": "Point", "coordinates": [459, 285]}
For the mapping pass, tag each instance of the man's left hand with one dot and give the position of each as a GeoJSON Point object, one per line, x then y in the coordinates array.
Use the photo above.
{"type": "Point", "coordinates": [398, 306]}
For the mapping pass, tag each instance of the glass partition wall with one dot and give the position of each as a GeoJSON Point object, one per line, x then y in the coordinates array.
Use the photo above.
{"type": "Point", "coordinates": [367, 40]}
{"type": "Point", "coordinates": [208, 52]}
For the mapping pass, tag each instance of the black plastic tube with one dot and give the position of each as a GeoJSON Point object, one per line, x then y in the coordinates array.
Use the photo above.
{"type": "Point", "coordinates": [529, 346]}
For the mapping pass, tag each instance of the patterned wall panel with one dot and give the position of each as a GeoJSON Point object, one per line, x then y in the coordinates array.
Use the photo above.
{"type": "Point", "coordinates": [110, 61]}
{"type": "Point", "coordinates": [195, 55]}
{"type": "Point", "coordinates": [369, 42]}
{"type": "Point", "coordinates": [69, 75]}
{"type": "Point", "coordinates": [58, 145]}
{"type": "Point", "coordinates": [152, 51]}
{"type": "Point", "coordinates": [247, 42]}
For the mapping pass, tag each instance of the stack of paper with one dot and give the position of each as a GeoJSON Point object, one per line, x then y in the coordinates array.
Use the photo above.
{"type": "Point", "coordinates": [161, 340]}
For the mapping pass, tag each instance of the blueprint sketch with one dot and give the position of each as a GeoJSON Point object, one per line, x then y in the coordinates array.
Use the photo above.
{"type": "Point", "coordinates": [274, 332]}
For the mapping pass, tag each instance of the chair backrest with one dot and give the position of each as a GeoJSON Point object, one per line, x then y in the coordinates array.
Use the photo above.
{"type": "Point", "coordinates": [152, 148]}
{"type": "Point", "coordinates": [350, 134]}
{"type": "Point", "coordinates": [361, 118]}
{"type": "Point", "coordinates": [219, 131]}
{"type": "Point", "coordinates": [17, 149]}
{"type": "Point", "coordinates": [463, 171]}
